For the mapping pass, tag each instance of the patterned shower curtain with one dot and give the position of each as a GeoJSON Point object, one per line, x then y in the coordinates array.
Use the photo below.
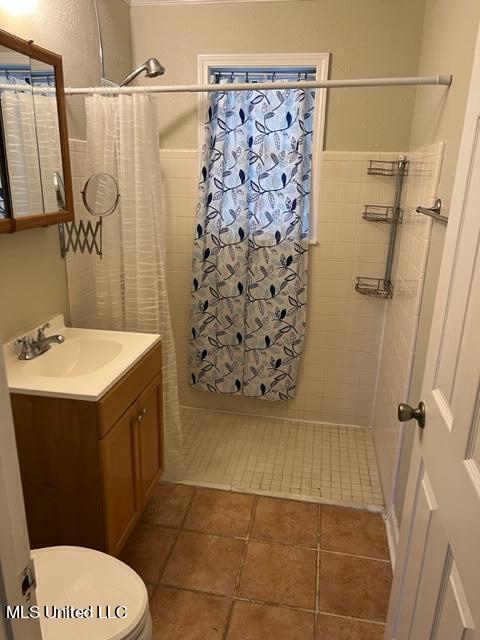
{"type": "Point", "coordinates": [249, 280]}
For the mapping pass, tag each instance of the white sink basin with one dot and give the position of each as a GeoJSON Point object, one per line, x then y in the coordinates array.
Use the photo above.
{"type": "Point", "coordinates": [84, 367]}
{"type": "Point", "coordinates": [74, 357]}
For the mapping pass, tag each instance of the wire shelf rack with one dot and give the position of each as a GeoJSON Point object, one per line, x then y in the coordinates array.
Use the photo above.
{"type": "Point", "coordinates": [374, 287]}
{"type": "Point", "coordinates": [381, 213]}
{"type": "Point", "coordinates": [387, 168]}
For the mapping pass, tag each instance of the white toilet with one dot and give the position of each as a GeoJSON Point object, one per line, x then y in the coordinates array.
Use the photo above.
{"type": "Point", "coordinates": [77, 578]}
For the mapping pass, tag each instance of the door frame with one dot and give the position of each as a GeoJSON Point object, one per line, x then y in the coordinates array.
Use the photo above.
{"type": "Point", "coordinates": [14, 543]}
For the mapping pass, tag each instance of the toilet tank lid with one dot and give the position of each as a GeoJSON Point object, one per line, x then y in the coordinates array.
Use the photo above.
{"type": "Point", "coordinates": [112, 596]}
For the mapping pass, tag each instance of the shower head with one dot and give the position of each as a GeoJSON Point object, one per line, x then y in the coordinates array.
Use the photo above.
{"type": "Point", "coordinates": [152, 68]}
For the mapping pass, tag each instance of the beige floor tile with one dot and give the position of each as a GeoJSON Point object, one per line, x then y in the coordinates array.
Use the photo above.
{"type": "Point", "coordinates": [168, 505]}
{"type": "Point", "coordinates": [184, 615]}
{"type": "Point", "coordinates": [204, 562]}
{"type": "Point", "coordinates": [356, 587]}
{"type": "Point", "coordinates": [286, 521]}
{"type": "Point", "coordinates": [279, 574]}
{"type": "Point", "coordinates": [353, 531]}
{"type": "Point", "coordinates": [251, 621]}
{"type": "Point", "coordinates": [333, 628]}
{"type": "Point", "coordinates": [220, 512]}
{"type": "Point", "coordinates": [147, 550]}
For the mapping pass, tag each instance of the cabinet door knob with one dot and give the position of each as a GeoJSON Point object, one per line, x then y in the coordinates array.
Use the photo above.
{"type": "Point", "coordinates": [142, 415]}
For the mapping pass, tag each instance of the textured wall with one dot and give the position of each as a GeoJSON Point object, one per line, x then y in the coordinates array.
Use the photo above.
{"type": "Point", "coordinates": [33, 284]}
{"type": "Point", "coordinates": [366, 38]}
{"type": "Point", "coordinates": [81, 266]}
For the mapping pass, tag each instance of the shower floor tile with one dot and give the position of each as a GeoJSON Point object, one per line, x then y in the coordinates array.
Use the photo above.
{"type": "Point", "coordinates": [308, 461]}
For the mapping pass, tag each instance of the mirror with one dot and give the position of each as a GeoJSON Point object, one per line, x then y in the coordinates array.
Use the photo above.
{"type": "Point", "coordinates": [100, 194]}
{"type": "Point", "coordinates": [35, 188]}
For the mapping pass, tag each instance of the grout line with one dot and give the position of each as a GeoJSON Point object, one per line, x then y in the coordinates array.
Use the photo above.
{"type": "Point", "coordinates": [276, 418]}
{"type": "Point", "coordinates": [237, 598]}
{"type": "Point", "coordinates": [250, 538]}
{"type": "Point", "coordinates": [240, 568]}
{"type": "Point", "coordinates": [179, 530]}
{"type": "Point", "coordinates": [317, 581]}
{"type": "Point", "coordinates": [372, 508]}
{"type": "Point", "coordinates": [271, 603]}
{"type": "Point", "coordinates": [338, 615]}
{"type": "Point", "coordinates": [353, 555]}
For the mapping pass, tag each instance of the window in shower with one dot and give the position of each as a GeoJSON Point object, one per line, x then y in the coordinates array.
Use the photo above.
{"type": "Point", "coordinates": [281, 68]}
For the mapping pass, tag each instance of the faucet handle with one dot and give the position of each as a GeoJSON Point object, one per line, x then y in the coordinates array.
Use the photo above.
{"type": "Point", "coordinates": [26, 348]}
{"type": "Point", "coordinates": [41, 331]}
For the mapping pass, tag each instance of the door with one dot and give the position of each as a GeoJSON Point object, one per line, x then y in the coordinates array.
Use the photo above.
{"type": "Point", "coordinates": [14, 544]}
{"type": "Point", "coordinates": [436, 587]}
{"type": "Point", "coordinates": [150, 445]}
{"type": "Point", "coordinates": [122, 509]}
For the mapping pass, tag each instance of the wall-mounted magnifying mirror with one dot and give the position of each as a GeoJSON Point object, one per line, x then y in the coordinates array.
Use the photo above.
{"type": "Point", "coordinates": [100, 194]}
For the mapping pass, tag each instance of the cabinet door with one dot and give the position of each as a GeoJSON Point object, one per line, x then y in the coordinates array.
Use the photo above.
{"type": "Point", "coordinates": [150, 437]}
{"type": "Point", "coordinates": [120, 471]}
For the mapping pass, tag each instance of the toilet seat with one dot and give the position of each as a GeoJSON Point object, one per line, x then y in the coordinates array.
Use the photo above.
{"type": "Point", "coordinates": [80, 578]}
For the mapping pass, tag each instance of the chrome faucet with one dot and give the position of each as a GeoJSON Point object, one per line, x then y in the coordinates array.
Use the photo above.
{"type": "Point", "coordinates": [32, 348]}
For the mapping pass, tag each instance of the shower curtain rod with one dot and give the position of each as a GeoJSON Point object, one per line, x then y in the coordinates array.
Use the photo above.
{"type": "Point", "coordinates": [445, 80]}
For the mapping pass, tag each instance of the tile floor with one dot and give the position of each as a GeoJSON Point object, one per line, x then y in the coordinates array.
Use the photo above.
{"type": "Point", "coordinates": [283, 457]}
{"type": "Point", "coordinates": [221, 565]}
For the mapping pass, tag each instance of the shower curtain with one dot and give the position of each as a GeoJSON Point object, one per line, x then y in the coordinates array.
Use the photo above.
{"type": "Point", "coordinates": [249, 282]}
{"type": "Point", "coordinates": [131, 290]}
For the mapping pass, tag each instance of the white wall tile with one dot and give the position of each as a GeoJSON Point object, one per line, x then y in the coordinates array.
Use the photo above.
{"type": "Point", "coordinates": [401, 320]}
{"type": "Point", "coordinates": [343, 329]}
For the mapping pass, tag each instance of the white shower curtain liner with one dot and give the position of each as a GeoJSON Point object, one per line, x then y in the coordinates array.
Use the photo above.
{"type": "Point", "coordinates": [131, 287]}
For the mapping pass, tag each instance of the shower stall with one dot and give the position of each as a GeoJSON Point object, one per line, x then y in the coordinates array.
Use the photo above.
{"type": "Point", "coordinates": [365, 274]}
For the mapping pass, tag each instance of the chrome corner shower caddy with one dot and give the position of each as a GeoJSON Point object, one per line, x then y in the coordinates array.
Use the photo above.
{"type": "Point", "coordinates": [397, 169]}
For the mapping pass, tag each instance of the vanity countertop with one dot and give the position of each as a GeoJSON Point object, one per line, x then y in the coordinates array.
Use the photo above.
{"type": "Point", "coordinates": [84, 367]}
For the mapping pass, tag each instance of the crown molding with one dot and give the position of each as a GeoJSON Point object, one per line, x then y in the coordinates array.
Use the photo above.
{"type": "Point", "coordinates": [142, 3]}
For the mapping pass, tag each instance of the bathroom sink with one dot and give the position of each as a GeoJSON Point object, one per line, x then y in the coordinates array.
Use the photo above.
{"type": "Point", "coordinates": [75, 357]}
{"type": "Point", "coordinates": [83, 367]}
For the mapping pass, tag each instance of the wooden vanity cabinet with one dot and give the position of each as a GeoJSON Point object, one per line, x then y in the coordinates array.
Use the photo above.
{"type": "Point", "coordinates": [88, 468]}
{"type": "Point", "coordinates": [132, 458]}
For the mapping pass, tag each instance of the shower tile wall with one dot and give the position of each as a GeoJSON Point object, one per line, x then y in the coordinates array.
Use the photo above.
{"type": "Point", "coordinates": [80, 266]}
{"type": "Point", "coordinates": [402, 316]}
{"type": "Point", "coordinates": [338, 374]}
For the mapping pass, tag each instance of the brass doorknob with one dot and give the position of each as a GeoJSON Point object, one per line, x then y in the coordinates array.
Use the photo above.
{"type": "Point", "coordinates": [406, 413]}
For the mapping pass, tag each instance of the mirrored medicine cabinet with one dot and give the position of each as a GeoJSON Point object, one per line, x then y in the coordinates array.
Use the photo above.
{"type": "Point", "coordinates": [35, 175]}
